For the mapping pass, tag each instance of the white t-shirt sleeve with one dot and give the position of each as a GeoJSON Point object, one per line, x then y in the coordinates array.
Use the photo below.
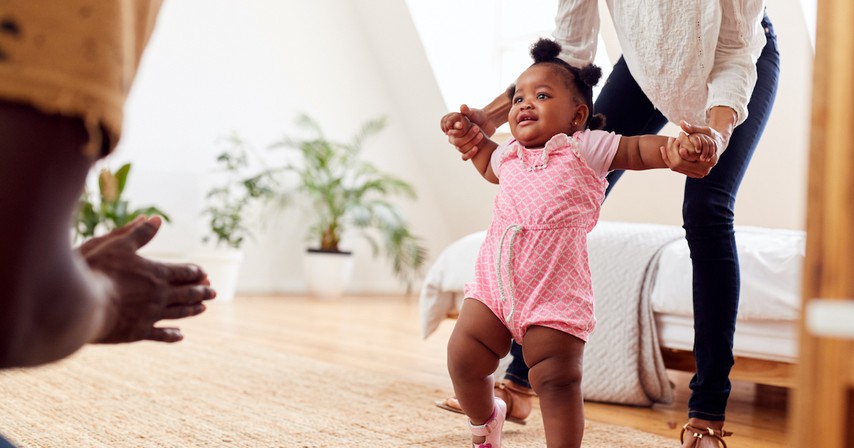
{"type": "Point", "coordinates": [599, 148]}
{"type": "Point", "coordinates": [495, 159]}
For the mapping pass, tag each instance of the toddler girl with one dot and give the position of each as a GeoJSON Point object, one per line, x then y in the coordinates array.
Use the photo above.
{"type": "Point", "coordinates": [532, 279]}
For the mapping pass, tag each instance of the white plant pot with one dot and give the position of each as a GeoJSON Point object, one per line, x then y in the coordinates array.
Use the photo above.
{"type": "Point", "coordinates": [223, 269]}
{"type": "Point", "coordinates": [327, 274]}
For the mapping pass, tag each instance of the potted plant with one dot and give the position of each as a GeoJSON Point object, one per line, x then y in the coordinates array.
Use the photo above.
{"type": "Point", "coordinates": [226, 215]}
{"type": "Point", "coordinates": [346, 192]}
{"type": "Point", "coordinates": [107, 210]}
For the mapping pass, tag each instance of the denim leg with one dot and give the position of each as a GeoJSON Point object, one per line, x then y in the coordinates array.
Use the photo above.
{"type": "Point", "coordinates": [517, 371]}
{"type": "Point", "coordinates": [708, 216]}
{"type": "Point", "coordinates": [5, 443]}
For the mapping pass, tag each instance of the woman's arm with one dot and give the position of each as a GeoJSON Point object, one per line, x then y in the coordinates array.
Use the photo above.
{"type": "Point", "coordinates": [577, 31]}
{"type": "Point", "coordinates": [55, 299]}
{"type": "Point", "coordinates": [733, 76]}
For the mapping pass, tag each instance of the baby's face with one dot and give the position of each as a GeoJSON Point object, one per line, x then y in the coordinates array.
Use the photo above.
{"type": "Point", "coordinates": [542, 107]}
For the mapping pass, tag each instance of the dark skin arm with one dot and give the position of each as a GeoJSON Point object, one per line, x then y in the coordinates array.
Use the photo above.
{"type": "Point", "coordinates": [642, 152]}
{"type": "Point", "coordinates": [710, 141]}
{"type": "Point", "coordinates": [56, 299]}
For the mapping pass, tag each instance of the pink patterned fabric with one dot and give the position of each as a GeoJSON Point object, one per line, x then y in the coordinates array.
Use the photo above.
{"type": "Point", "coordinates": [532, 268]}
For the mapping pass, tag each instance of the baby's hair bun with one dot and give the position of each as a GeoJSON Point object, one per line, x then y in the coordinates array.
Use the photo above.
{"type": "Point", "coordinates": [590, 74]}
{"type": "Point", "coordinates": [597, 121]}
{"type": "Point", "coordinates": [545, 50]}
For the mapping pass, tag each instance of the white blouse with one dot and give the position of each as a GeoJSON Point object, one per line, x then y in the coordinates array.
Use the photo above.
{"type": "Point", "coordinates": [686, 56]}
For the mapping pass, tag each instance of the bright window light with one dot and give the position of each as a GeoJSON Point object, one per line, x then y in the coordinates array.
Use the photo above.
{"type": "Point", "coordinates": [478, 47]}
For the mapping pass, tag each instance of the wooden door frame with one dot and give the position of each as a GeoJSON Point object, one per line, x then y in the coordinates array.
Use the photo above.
{"type": "Point", "coordinates": [825, 378]}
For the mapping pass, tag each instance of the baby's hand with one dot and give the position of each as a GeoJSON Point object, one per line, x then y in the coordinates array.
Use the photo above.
{"type": "Point", "coordinates": [462, 132]}
{"type": "Point", "coordinates": [694, 147]}
{"type": "Point", "coordinates": [704, 145]}
{"type": "Point", "coordinates": [698, 143]}
{"type": "Point", "coordinates": [686, 147]}
{"type": "Point", "coordinates": [455, 121]}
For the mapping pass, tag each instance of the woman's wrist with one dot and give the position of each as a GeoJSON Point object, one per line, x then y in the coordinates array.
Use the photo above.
{"type": "Point", "coordinates": [496, 113]}
{"type": "Point", "coordinates": [723, 119]}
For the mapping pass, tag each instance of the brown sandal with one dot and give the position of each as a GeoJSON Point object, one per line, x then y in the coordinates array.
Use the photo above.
{"type": "Point", "coordinates": [698, 434]}
{"type": "Point", "coordinates": [504, 390]}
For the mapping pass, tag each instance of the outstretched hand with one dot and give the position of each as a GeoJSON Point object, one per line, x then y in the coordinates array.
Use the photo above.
{"type": "Point", "coordinates": [142, 292]}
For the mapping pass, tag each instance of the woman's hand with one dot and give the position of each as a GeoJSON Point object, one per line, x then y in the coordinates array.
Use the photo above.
{"type": "Point", "coordinates": [711, 142]}
{"type": "Point", "coordinates": [695, 152]}
{"type": "Point", "coordinates": [697, 146]}
{"type": "Point", "coordinates": [466, 138]}
{"type": "Point", "coordinates": [142, 292]}
{"type": "Point", "coordinates": [696, 168]}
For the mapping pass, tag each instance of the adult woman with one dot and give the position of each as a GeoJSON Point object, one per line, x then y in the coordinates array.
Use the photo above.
{"type": "Point", "coordinates": [709, 62]}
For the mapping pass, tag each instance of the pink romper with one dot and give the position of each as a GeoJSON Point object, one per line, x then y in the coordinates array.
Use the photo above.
{"type": "Point", "coordinates": [532, 268]}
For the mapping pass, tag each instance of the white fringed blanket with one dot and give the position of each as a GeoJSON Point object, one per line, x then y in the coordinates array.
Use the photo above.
{"type": "Point", "coordinates": [622, 360]}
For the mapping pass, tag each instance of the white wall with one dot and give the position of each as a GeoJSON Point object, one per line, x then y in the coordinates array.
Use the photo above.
{"type": "Point", "coordinates": [214, 66]}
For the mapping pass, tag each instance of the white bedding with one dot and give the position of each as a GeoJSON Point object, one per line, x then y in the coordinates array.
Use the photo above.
{"type": "Point", "coordinates": [771, 264]}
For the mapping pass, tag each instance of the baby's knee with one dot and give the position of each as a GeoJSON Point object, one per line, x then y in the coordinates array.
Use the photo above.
{"type": "Point", "coordinates": [460, 359]}
{"type": "Point", "coordinates": [456, 357]}
{"type": "Point", "coordinates": [470, 358]}
{"type": "Point", "coordinates": [556, 373]}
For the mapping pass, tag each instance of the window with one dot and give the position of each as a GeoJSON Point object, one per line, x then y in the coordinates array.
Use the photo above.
{"type": "Point", "coordinates": [478, 47]}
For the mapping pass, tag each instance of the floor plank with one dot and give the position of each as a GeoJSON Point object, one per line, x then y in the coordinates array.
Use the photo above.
{"type": "Point", "coordinates": [382, 334]}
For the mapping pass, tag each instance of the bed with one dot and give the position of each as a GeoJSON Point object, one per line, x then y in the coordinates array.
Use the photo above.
{"type": "Point", "coordinates": [642, 282]}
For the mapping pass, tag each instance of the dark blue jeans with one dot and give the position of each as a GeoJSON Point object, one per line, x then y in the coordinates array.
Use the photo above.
{"type": "Point", "coordinates": [708, 216]}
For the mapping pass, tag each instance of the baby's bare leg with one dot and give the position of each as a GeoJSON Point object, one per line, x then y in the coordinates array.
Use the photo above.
{"type": "Point", "coordinates": [478, 342]}
{"type": "Point", "coordinates": [555, 359]}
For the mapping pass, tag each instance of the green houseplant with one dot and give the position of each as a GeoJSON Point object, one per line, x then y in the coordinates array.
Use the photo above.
{"type": "Point", "coordinates": [228, 201]}
{"type": "Point", "coordinates": [108, 210]}
{"type": "Point", "coordinates": [226, 213]}
{"type": "Point", "coordinates": [346, 192]}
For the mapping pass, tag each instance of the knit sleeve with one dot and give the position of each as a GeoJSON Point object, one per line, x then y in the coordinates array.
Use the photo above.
{"type": "Point", "coordinates": [740, 42]}
{"type": "Point", "coordinates": [577, 31]}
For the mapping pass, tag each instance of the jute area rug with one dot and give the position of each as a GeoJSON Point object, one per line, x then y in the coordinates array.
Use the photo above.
{"type": "Point", "coordinates": [232, 394]}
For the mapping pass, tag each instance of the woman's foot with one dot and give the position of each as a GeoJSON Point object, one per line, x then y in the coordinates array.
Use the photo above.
{"type": "Point", "coordinates": [519, 400]}
{"type": "Point", "coordinates": [699, 433]}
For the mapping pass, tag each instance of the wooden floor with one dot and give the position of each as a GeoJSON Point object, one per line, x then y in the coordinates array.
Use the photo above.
{"type": "Point", "coordinates": [382, 334]}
